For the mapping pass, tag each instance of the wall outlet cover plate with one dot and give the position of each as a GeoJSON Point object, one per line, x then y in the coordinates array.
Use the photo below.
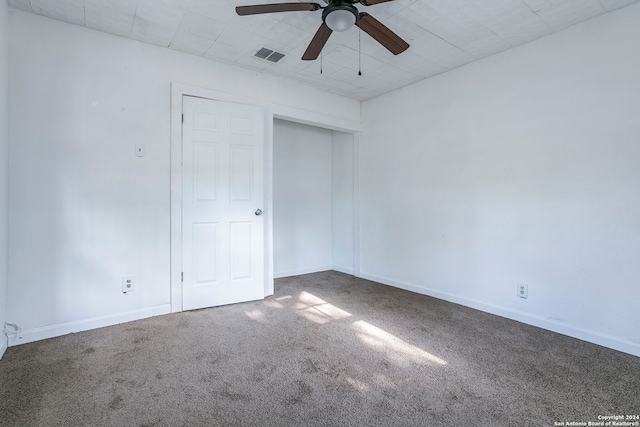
{"type": "Point", "coordinates": [128, 284]}
{"type": "Point", "coordinates": [523, 290]}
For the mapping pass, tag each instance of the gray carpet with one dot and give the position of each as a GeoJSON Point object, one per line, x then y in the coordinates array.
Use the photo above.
{"type": "Point", "coordinates": [327, 349]}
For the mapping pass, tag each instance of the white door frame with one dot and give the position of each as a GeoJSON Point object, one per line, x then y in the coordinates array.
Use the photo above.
{"type": "Point", "coordinates": [271, 111]}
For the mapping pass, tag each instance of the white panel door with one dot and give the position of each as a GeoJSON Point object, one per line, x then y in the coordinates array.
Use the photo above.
{"type": "Point", "coordinates": [222, 198]}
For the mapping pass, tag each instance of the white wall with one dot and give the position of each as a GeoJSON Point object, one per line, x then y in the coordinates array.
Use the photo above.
{"type": "Point", "coordinates": [4, 147]}
{"type": "Point", "coordinates": [84, 210]}
{"type": "Point", "coordinates": [342, 199]}
{"type": "Point", "coordinates": [312, 199]}
{"type": "Point", "coordinates": [301, 198]}
{"type": "Point", "coordinates": [522, 167]}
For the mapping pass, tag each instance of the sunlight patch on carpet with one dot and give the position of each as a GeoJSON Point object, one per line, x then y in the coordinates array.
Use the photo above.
{"type": "Point", "coordinates": [358, 385]}
{"type": "Point", "coordinates": [273, 304]}
{"type": "Point", "coordinates": [318, 310]}
{"type": "Point", "coordinates": [395, 348]}
{"type": "Point", "coordinates": [256, 315]}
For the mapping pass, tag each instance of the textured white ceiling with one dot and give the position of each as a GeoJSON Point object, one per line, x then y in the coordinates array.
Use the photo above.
{"type": "Point", "coordinates": [443, 34]}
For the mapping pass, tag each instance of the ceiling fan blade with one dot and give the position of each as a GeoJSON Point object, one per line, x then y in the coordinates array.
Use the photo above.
{"type": "Point", "coordinates": [381, 33]}
{"type": "Point", "coordinates": [276, 7]}
{"type": "Point", "coordinates": [372, 2]}
{"type": "Point", "coordinates": [317, 43]}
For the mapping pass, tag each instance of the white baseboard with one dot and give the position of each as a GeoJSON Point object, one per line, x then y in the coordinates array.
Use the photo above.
{"type": "Point", "coordinates": [50, 331]}
{"type": "Point", "coordinates": [280, 274]}
{"type": "Point", "coordinates": [594, 337]}
{"type": "Point", "coordinates": [341, 269]}
{"type": "Point", "coordinates": [3, 345]}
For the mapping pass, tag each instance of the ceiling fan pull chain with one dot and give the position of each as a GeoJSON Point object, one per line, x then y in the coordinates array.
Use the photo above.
{"type": "Point", "coordinates": [320, 62]}
{"type": "Point", "coordinates": [359, 53]}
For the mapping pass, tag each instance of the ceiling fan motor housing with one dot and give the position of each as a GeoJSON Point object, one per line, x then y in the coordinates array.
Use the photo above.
{"type": "Point", "coordinates": [340, 15]}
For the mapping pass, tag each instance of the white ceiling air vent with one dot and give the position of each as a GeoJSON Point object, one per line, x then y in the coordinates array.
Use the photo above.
{"type": "Point", "coordinates": [269, 55]}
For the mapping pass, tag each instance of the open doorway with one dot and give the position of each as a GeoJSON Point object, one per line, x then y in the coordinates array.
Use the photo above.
{"type": "Point", "coordinates": [313, 199]}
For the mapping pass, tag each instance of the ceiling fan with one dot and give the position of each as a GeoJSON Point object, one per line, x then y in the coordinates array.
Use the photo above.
{"type": "Point", "coordinates": [338, 15]}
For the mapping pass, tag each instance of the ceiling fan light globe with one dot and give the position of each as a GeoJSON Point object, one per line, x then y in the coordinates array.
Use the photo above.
{"type": "Point", "coordinates": [340, 20]}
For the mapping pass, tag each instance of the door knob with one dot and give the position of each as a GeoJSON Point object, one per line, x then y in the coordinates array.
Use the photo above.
{"type": "Point", "coordinates": [258, 212]}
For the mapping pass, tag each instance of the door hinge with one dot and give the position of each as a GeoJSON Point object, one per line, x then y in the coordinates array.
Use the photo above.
{"type": "Point", "coordinates": [182, 276]}
{"type": "Point", "coordinates": [183, 118]}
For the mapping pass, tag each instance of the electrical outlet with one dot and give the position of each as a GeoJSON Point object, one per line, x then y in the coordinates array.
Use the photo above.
{"type": "Point", "coordinates": [128, 284]}
{"type": "Point", "coordinates": [523, 290]}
